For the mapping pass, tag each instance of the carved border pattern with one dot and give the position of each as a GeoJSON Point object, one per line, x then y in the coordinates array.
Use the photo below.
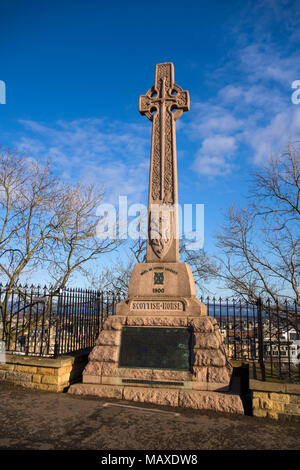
{"type": "Point", "coordinates": [156, 164]}
{"type": "Point", "coordinates": [168, 196]}
{"type": "Point", "coordinates": [164, 71]}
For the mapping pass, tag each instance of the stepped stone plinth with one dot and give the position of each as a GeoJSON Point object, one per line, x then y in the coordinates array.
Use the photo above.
{"type": "Point", "coordinates": [200, 376]}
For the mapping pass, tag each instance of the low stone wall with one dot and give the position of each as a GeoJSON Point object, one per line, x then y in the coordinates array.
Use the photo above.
{"type": "Point", "coordinates": [275, 400]}
{"type": "Point", "coordinates": [41, 373]}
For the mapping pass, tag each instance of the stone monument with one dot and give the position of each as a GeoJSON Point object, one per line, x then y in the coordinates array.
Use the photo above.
{"type": "Point", "coordinates": [161, 347]}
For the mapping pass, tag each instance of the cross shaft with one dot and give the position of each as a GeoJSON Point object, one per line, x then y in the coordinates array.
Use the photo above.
{"type": "Point", "coordinates": [163, 104]}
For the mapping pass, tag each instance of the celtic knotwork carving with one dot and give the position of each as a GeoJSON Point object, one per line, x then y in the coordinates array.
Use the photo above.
{"type": "Point", "coordinates": [168, 197]}
{"type": "Point", "coordinates": [164, 71]}
{"type": "Point", "coordinates": [155, 164]}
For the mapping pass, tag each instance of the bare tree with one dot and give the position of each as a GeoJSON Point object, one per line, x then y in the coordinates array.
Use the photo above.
{"type": "Point", "coordinates": [27, 196]}
{"type": "Point", "coordinates": [45, 224]}
{"type": "Point", "coordinates": [74, 242]}
{"type": "Point", "coordinates": [260, 242]}
{"type": "Point", "coordinates": [115, 277]}
{"type": "Point", "coordinates": [204, 267]}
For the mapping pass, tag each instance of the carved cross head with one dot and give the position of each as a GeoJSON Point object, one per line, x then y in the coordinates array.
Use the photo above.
{"type": "Point", "coordinates": [164, 94]}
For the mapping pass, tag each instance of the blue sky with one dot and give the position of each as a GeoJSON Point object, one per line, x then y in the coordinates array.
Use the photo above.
{"type": "Point", "coordinates": [74, 71]}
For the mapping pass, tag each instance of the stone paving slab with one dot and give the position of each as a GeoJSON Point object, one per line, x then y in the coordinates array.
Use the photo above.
{"type": "Point", "coordinates": [33, 419]}
{"type": "Point", "coordinates": [196, 399]}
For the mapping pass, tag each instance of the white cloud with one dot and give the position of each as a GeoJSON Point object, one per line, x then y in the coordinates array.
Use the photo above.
{"type": "Point", "coordinates": [267, 62]}
{"type": "Point", "coordinates": [210, 118]}
{"type": "Point", "coordinates": [213, 157]}
{"type": "Point", "coordinates": [251, 114]}
{"type": "Point", "coordinates": [211, 166]}
{"type": "Point", "coordinates": [218, 144]}
{"type": "Point", "coordinates": [273, 138]}
{"type": "Point", "coordinates": [113, 155]}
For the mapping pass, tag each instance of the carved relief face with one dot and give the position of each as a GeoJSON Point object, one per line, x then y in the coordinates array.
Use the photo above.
{"type": "Point", "coordinates": [159, 246]}
{"type": "Point", "coordinates": [160, 234]}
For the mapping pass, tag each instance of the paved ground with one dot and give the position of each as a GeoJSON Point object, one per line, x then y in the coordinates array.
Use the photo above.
{"type": "Point", "coordinates": [45, 420]}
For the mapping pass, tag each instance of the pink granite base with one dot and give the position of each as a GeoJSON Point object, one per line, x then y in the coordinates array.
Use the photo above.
{"type": "Point", "coordinates": [205, 386]}
{"type": "Point", "coordinates": [200, 400]}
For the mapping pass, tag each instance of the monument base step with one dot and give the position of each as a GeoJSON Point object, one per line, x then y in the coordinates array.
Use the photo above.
{"type": "Point", "coordinates": [182, 398]}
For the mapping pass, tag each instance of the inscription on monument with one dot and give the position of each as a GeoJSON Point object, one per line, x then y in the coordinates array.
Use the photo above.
{"type": "Point", "coordinates": [155, 348]}
{"type": "Point", "coordinates": [159, 267]}
{"type": "Point", "coordinates": [159, 305]}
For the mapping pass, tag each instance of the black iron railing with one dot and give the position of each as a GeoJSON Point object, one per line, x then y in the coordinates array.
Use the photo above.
{"type": "Point", "coordinates": [264, 335]}
{"type": "Point", "coordinates": [37, 321]}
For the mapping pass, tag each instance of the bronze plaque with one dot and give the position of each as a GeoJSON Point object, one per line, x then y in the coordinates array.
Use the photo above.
{"type": "Point", "coordinates": [155, 348]}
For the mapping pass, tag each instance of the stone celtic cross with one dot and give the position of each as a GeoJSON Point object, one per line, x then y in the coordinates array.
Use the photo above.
{"type": "Point", "coordinates": [163, 104]}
